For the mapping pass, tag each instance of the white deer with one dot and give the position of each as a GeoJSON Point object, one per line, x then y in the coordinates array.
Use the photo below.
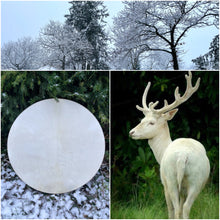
{"type": "Point", "coordinates": [184, 166]}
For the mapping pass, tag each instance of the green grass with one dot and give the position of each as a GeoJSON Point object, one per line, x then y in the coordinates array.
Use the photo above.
{"type": "Point", "coordinates": [206, 206]}
{"type": "Point", "coordinates": [136, 211]}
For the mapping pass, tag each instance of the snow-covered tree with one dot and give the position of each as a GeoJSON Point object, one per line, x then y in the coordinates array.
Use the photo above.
{"type": "Point", "coordinates": [80, 50]}
{"type": "Point", "coordinates": [209, 60]}
{"type": "Point", "coordinates": [156, 60]}
{"type": "Point", "coordinates": [214, 52]}
{"type": "Point", "coordinates": [161, 25]}
{"type": "Point", "coordinates": [53, 41]}
{"type": "Point", "coordinates": [87, 17]}
{"type": "Point", "coordinates": [137, 58]}
{"type": "Point", "coordinates": [63, 48]}
{"type": "Point", "coordinates": [125, 59]}
{"type": "Point", "coordinates": [20, 55]}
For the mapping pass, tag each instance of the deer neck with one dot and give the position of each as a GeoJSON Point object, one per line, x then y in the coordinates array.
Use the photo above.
{"type": "Point", "coordinates": [160, 142]}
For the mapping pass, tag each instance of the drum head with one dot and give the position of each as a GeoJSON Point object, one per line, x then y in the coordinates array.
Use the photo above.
{"type": "Point", "coordinates": [56, 147]}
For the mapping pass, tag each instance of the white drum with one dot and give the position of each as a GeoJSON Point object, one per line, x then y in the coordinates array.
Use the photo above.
{"type": "Point", "coordinates": [56, 147]}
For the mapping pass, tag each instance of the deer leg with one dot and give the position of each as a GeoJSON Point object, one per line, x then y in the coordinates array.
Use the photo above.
{"type": "Point", "coordinates": [175, 200]}
{"type": "Point", "coordinates": [169, 204]}
{"type": "Point", "coordinates": [174, 195]}
{"type": "Point", "coordinates": [192, 194]}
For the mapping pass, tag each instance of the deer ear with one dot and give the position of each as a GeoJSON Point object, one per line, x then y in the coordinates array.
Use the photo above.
{"type": "Point", "coordinates": [169, 115]}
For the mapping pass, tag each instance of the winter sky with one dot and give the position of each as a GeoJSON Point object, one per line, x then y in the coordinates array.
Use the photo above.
{"type": "Point", "coordinates": [26, 18]}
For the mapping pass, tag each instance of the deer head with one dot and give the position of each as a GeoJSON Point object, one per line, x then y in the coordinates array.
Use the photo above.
{"type": "Point", "coordinates": [156, 119]}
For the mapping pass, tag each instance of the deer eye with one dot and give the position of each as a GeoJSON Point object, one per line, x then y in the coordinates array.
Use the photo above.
{"type": "Point", "coordinates": [151, 123]}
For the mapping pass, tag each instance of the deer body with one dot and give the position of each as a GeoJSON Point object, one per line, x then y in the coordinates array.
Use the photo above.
{"type": "Point", "coordinates": [184, 166]}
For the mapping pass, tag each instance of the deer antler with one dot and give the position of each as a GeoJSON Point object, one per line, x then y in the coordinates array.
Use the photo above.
{"type": "Point", "coordinates": [178, 99]}
{"type": "Point", "coordinates": [144, 101]}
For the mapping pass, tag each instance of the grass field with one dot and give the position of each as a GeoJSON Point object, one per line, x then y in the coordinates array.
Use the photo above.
{"type": "Point", "coordinates": [206, 206]}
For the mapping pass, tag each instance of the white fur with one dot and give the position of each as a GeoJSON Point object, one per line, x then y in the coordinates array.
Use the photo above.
{"type": "Point", "coordinates": [184, 166]}
{"type": "Point", "coordinates": [184, 171]}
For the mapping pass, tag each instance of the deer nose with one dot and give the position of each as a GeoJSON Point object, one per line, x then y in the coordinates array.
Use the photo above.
{"type": "Point", "coordinates": [131, 133]}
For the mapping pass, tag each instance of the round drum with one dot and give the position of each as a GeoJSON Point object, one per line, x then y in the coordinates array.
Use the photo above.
{"type": "Point", "coordinates": [56, 146]}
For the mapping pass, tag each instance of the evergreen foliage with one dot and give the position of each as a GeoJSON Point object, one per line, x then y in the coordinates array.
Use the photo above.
{"type": "Point", "coordinates": [135, 172]}
{"type": "Point", "coordinates": [209, 60]}
{"type": "Point", "coordinates": [87, 17]}
{"type": "Point", "coordinates": [22, 89]}
{"type": "Point", "coordinates": [63, 47]}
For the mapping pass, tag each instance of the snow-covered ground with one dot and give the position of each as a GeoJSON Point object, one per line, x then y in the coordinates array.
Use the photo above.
{"type": "Point", "coordinates": [19, 201]}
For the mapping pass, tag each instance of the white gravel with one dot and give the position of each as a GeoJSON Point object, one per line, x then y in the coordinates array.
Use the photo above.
{"type": "Point", "coordinates": [19, 201]}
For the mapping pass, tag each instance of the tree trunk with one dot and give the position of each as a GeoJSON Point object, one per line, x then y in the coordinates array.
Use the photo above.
{"type": "Point", "coordinates": [173, 49]}
{"type": "Point", "coordinates": [175, 60]}
{"type": "Point", "coordinates": [64, 63]}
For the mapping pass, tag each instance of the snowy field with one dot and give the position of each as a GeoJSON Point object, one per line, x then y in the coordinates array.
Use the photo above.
{"type": "Point", "coordinates": [19, 201]}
